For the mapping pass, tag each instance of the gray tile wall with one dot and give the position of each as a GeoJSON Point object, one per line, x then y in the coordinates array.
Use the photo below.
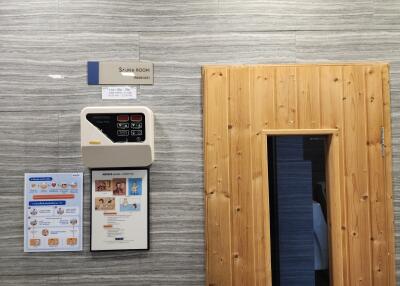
{"type": "Point", "coordinates": [39, 116]}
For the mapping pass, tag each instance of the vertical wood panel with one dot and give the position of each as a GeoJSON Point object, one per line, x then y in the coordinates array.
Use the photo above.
{"type": "Point", "coordinates": [376, 176]}
{"type": "Point", "coordinates": [241, 183]}
{"type": "Point", "coordinates": [331, 88]}
{"type": "Point", "coordinates": [337, 254]}
{"type": "Point", "coordinates": [308, 97]}
{"type": "Point", "coordinates": [263, 97]}
{"type": "Point", "coordinates": [262, 110]}
{"type": "Point", "coordinates": [388, 177]}
{"type": "Point", "coordinates": [286, 98]}
{"type": "Point", "coordinates": [356, 176]}
{"type": "Point", "coordinates": [218, 212]}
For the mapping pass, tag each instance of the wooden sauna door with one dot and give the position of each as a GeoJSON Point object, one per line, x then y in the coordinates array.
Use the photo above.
{"type": "Point", "coordinates": [242, 105]}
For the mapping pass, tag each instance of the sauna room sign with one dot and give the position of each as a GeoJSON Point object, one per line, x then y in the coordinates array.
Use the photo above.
{"type": "Point", "coordinates": [119, 72]}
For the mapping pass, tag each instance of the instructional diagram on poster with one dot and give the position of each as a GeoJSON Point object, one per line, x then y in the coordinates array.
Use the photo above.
{"type": "Point", "coordinates": [119, 209]}
{"type": "Point", "coordinates": [53, 212]}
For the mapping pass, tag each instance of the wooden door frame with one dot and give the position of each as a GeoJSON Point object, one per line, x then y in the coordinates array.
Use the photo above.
{"type": "Point", "coordinates": [334, 198]}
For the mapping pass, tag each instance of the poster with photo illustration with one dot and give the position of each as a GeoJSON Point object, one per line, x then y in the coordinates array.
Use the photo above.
{"type": "Point", "coordinates": [119, 206]}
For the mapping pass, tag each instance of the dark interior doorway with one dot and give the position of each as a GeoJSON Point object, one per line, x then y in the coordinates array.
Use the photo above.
{"type": "Point", "coordinates": [298, 210]}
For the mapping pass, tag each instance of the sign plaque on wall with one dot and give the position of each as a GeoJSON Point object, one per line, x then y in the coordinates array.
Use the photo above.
{"type": "Point", "coordinates": [119, 72]}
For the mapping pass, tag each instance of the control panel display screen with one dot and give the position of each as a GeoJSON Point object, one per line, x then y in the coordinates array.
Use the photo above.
{"type": "Point", "coordinates": [120, 127]}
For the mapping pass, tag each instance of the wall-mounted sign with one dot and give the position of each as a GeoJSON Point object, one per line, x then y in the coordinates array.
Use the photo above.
{"type": "Point", "coordinates": [119, 72]}
{"type": "Point", "coordinates": [118, 92]}
{"type": "Point", "coordinates": [119, 206]}
{"type": "Point", "coordinates": [53, 212]}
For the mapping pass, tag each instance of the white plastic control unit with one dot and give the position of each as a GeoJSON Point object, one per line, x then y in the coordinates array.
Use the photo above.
{"type": "Point", "coordinates": [117, 136]}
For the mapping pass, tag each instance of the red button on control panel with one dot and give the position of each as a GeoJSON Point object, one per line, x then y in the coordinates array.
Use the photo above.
{"type": "Point", "coordinates": [123, 118]}
{"type": "Point", "coordinates": [136, 117]}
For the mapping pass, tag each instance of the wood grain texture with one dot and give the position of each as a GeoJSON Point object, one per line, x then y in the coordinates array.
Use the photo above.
{"type": "Point", "coordinates": [351, 103]}
{"type": "Point", "coordinates": [356, 176]}
{"type": "Point", "coordinates": [379, 233]}
{"type": "Point", "coordinates": [217, 179]}
{"type": "Point", "coordinates": [43, 37]}
{"type": "Point", "coordinates": [308, 97]}
{"type": "Point", "coordinates": [262, 110]}
{"type": "Point", "coordinates": [286, 98]}
{"type": "Point", "coordinates": [242, 234]}
{"type": "Point", "coordinates": [331, 86]}
{"type": "Point", "coordinates": [336, 217]}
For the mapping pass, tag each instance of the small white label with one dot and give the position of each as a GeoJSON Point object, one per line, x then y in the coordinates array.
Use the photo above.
{"type": "Point", "coordinates": [118, 92]}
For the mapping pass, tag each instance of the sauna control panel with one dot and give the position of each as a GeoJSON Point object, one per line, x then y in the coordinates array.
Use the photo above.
{"type": "Point", "coordinates": [120, 127]}
{"type": "Point", "coordinates": [117, 136]}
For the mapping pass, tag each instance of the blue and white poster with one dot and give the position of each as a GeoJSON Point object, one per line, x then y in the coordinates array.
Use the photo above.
{"type": "Point", "coordinates": [53, 212]}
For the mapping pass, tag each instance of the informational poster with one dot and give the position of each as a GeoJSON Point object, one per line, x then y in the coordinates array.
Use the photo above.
{"type": "Point", "coordinates": [119, 209]}
{"type": "Point", "coordinates": [53, 212]}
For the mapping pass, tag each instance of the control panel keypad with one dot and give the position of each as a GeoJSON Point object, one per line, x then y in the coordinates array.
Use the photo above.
{"type": "Point", "coordinates": [129, 127]}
